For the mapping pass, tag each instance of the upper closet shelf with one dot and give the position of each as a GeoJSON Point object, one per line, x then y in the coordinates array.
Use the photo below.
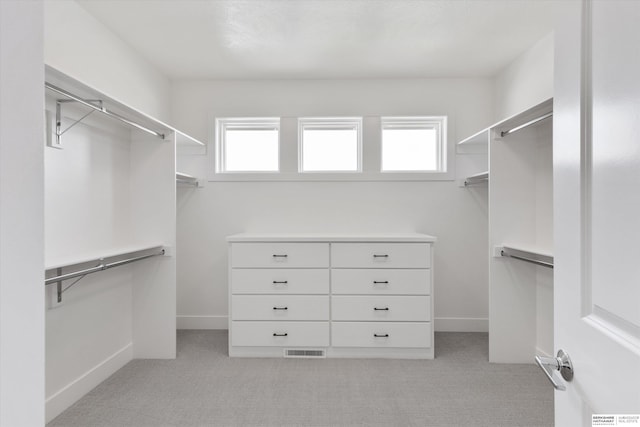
{"type": "Point", "coordinates": [481, 137]}
{"type": "Point", "coordinates": [531, 116]}
{"type": "Point", "coordinates": [69, 90]}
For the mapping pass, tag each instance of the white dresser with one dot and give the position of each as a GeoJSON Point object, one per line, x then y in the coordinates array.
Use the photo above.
{"type": "Point", "coordinates": [331, 295]}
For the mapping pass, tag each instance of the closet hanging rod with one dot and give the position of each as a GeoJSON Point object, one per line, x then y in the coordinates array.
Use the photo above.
{"type": "Point", "coordinates": [101, 267]}
{"type": "Point", "coordinates": [102, 110]}
{"type": "Point", "coordinates": [529, 123]}
{"type": "Point", "coordinates": [532, 257]}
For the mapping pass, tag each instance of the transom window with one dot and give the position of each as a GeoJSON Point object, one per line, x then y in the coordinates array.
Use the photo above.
{"type": "Point", "coordinates": [248, 145]}
{"type": "Point", "coordinates": [330, 144]}
{"type": "Point", "coordinates": [413, 144]}
{"type": "Point", "coordinates": [370, 148]}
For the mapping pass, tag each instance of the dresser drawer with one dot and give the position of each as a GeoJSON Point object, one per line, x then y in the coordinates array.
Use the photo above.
{"type": "Point", "coordinates": [280, 334]}
{"type": "Point", "coordinates": [381, 308]}
{"type": "Point", "coordinates": [279, 281]}
{"type": "Point", "coordinates": [280, 255]}
{"type": "Point", "coordinates": [380, 255]}
{"type": "Point", "coordinates": [279, 307]}
{"type": "Point", "coordinates": [381, 334]}
{"type": "Point", "coordinates": [381, 281]}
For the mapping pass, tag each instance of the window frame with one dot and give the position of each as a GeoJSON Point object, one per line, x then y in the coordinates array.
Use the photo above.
{"type": "Point", "coordinates": [370, 154]}
{"type": "Point", "coordinates": [252, 123]}
{"type": "Point", "coordinates": [439, 123]}
{"type": "Point", "coordinates": [329, 123]}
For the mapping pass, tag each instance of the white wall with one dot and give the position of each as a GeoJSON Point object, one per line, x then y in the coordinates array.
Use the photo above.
{"type": "Point", "coordinates": [527, 81]}
{"type": "Point", "coordinates": [457, 216]}
{"type": "Point", "coordinates": [87, 211]}
{"type": "Point", "coordinates": [79, 45]}
{"type": "Point", "coordinates": [21, 215]}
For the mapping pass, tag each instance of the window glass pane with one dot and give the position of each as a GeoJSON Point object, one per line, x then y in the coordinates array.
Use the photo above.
{"type": "Point", "coordinates": [409, 150]}
{"type": "Point", "coordinates": [251, 150]}
{"type": "Point", "coordinates": [330, 150]}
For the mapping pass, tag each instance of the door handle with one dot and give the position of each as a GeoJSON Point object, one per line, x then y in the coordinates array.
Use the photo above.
{"type": "Point", "coordinates": [561, 363]}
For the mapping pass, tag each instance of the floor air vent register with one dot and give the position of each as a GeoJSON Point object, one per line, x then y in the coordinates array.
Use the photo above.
{"type": "Point", "coordinates": [290, 352]}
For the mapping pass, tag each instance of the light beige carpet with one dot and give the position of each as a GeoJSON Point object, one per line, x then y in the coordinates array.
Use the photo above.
{"type": "Point", "coordinates": [204, 387]}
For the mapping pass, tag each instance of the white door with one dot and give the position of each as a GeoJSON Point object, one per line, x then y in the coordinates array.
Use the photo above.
{"type": "Point", "coordinates": [597, 208]}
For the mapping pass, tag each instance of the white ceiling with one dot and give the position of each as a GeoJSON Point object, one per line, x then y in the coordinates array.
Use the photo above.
{"type": "Point", "coordinates": [264, 39]}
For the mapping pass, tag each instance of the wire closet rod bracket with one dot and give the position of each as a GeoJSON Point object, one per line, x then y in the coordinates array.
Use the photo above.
{"type": "Point", "coordinates": [522, 255]}
{"type": "Point", "coordinates": [102, 265]}
{"type": "Point", "coordinates": [95, 105]}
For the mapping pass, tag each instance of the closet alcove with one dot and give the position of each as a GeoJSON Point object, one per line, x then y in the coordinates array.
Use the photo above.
{"type": "Point", "coordinates": [110, 237]}
{"type": "Point", "coordinates": [519, 175]}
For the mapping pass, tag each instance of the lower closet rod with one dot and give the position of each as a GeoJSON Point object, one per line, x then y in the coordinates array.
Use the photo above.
{"type": "Point", "coordinates": [538, 259]}
{"type": "Point", "coordinates": [100, 267]}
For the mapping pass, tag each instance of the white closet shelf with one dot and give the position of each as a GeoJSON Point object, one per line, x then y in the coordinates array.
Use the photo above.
{"type": "Point", "coordinates": [479, 178]}
{"type": "Point", "coordinates": [183, 178]}
{"type": "Point", "coordinates": [481, 137]}
{"type": "Point", "coordinates": [182, 139]}
{"type": "Point", "coordinates": [104, 101]}
{"type": "Point", "coordinates": [543, 109]}
{"type": "Point", "coordinates": [67, 261]}
{"type": "Point", "coordinates": [79, 270]}
{"type": "Point", "coordinates": [525, 118]}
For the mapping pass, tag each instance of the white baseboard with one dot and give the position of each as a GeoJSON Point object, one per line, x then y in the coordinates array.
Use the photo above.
{"type": "Point", "coordinates": [72, 392]}
{"type": "Point", "coordinates": [202, 322]}
{"type": "Point", "coordinates": [461, 324]}
{"type": "Point", "coordinates": [541, 352]}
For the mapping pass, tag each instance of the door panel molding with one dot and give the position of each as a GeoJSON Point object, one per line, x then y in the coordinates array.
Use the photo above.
{"type": "Point", "coordinates": [626, 331]}
{"type": "Point", "coordinates": [586, 158]}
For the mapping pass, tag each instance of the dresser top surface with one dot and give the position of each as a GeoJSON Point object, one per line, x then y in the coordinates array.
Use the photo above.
{"type": "Point", "coordinates": [332, 237]}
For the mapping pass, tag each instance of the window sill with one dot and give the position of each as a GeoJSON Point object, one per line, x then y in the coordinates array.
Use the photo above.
{"type": "Point", "coordinates": [315, 177]}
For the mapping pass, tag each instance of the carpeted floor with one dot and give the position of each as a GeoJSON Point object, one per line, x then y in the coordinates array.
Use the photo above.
{"type": "Point", "coordinates": [204, 387]}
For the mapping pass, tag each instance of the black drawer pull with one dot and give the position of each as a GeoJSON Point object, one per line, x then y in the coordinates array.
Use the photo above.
{"type": "Point", "coordinates": [381, 309]}
{"type": "Point", "coordinates": [380, 256]}
{"type": "Point", "coordinates": [384, 282]}
{"type": "Point", "coordinates": [280, 335]}
{"type": "Point", "coordinates": [381, 335]}
{"type": "Point", "coordinates": [280, 282]}
{"type": "Point", "coordinates": [280, 256]}
{"type": "Point", "coordinates": [281, 308]}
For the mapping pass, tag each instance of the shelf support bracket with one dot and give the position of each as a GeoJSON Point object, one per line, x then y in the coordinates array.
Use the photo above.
{"type": "Point", "coordinates": [59, 131]}
{"type": "Point", "coordinates": [59, 285]}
